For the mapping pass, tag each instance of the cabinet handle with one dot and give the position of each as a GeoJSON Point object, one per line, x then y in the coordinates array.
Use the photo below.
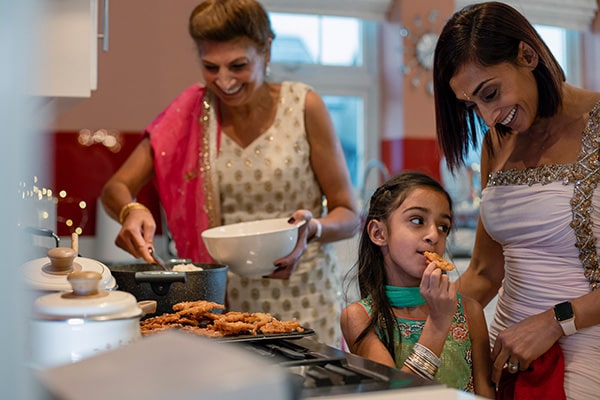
{"type": "Point", "coordinates": [104, 34]}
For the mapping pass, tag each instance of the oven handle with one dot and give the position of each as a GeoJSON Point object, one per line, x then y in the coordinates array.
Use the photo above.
{"type": "Point", "coordinates": [294, 355]}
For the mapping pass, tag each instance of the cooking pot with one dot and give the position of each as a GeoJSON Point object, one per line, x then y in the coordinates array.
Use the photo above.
{"type": "Point", "coordinates": [151, 282]}
{"type": "Point", "coordinates": [49, 274]}
{"type": "Point", "coordinates": [67, 327]}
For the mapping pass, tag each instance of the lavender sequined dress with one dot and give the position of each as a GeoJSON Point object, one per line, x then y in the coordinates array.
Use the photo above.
{"type": "Point", "coordinates": [548, 221]}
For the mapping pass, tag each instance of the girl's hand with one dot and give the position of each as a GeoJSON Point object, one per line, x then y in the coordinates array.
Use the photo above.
{"type": "Point", "coordinates": [440, 294]}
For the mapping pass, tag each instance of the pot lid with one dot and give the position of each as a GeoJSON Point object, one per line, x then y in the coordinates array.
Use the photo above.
{"type": "Point", "coordinates": [50, 273]}
{"type": "Point", "coordinates": [86, 301]}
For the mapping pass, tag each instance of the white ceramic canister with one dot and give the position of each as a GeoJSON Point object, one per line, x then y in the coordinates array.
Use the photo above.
{"type": "Point", "coordinates": [70, 326]}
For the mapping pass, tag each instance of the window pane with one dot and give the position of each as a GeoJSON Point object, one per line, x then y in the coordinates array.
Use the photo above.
{"type": "Point", "coordinates": [315, 39]}
{"type": "Point", "coordinates": [296, 38]}
{"type": "Point", "coordinates": [340, 41]}
{"type": "Point", "coordinates": [346, 113]}
{"type": "Point", "coordinates": [556, 40]}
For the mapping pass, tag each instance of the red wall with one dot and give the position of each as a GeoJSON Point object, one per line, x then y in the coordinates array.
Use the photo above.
{"type": "Point", "coordinates": [82, 170]}
{"type": "Point", "coordinates": [418, 154]}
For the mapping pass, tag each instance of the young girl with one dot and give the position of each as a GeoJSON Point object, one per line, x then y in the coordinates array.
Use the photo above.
{"type": "Point", "coordinates": [410, 315]}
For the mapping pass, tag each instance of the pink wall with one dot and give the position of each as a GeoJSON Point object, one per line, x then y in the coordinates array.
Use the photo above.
{"type": "Point", "coordinates": [150, 60]}
{"type": "Point", "coordinates": [407, 114]}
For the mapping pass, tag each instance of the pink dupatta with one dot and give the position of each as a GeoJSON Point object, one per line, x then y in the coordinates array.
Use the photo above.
{"type": "Point", "coordinates": [184, 138]}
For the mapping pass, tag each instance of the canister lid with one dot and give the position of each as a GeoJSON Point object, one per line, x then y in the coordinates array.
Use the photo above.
{"type": "Point", "coordinates": [41, 274]}
{"type": "Point", "coordinates": [86, 301]}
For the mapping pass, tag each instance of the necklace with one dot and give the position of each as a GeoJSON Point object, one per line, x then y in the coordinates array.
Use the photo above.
{"type": "Point", "coordinates": [400, 297]}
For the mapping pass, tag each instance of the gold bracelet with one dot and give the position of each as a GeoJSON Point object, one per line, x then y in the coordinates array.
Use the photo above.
{"type": "Point", "coordinates": [134, 205]}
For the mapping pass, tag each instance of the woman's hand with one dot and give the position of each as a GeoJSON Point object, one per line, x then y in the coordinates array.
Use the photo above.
{"type": "Point", "coordinates": [288, 264]}
{"type": "Point", "coordinates": [138, 228]}
{"type": "Point", "coordinates": [137, 234]}
{"type": "Point", "coordinates": [523, 342]}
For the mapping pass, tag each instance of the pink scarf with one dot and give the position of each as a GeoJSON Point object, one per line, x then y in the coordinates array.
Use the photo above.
{"type": "Point", "coordinates": [184, 138]}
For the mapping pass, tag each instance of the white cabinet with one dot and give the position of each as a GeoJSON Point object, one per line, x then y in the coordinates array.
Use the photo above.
{"type": "Point", "coordinates": [67, 52]}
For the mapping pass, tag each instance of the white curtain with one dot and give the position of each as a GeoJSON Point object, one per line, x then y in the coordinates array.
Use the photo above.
{"type": "Point", "coordinates": [570, 14]}
{"type": "Point", "coordinates": [365, 9]}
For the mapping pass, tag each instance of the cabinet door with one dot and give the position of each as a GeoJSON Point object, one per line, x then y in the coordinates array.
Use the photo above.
{"type": "Point", "coordinates": [67, 49]}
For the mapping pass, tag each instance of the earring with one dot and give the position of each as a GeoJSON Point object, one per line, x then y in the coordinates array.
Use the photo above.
{"type": "Point", "coordinates": [268, 69]}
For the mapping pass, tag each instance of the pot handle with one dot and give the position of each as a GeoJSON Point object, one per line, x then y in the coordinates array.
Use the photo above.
{"type": "Point", "coordinates": [160, 277]}
{"type": "Point", "coordinates": [148, 306]}
{"type": "Point", "coordinates": [160, 281]}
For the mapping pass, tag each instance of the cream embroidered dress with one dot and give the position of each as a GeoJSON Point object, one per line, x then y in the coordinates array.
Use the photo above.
{"type": "Point", "coordinates": [272, 178]}
{"type": "Point", "coordinates": [548, 222]}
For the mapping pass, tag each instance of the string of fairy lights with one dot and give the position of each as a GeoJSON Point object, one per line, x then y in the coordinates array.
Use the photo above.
{"type": "Point", "coordinates": [45, 202]}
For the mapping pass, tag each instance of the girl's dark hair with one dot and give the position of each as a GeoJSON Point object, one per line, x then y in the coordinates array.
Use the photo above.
{"type": "Point", "coordinates": [225, 20]}
{"type": "Point", "coordinates": [371, 270]}
{"type": "Point", "coordinates": [486, 34]}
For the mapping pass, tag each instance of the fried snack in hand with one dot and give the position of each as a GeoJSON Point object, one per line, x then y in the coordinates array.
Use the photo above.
{"type": "Point", "coordinates": [439, 260]}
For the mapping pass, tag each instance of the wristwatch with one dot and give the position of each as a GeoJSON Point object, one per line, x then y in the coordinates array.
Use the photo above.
{"type": "Point", "coordinates": [563, 312]}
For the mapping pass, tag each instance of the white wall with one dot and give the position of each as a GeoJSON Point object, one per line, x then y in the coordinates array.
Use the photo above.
{"type": "Point", "coordinates": [19, 150]}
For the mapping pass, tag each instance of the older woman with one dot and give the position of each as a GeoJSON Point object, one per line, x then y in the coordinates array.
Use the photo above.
{"type": "Point", "coordinates": [240, 148]}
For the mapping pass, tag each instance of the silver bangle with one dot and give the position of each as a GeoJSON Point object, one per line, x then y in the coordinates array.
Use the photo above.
{"type": "Point", "coordinates": [319, 231]}
{"type": "Point", "coordinates": [427, 354]}
{"type": "Point", "coordinates": [420, 368]}
{"type": "Point", "coordinates": [423, 362]}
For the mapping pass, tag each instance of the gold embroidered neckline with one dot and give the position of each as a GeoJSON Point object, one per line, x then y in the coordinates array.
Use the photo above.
{"type": "Point", "coordinates": [583, 175]}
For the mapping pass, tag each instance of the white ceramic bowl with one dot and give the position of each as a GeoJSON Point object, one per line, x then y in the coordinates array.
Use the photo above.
{"type": "Point", "coordinates": [251, 248]}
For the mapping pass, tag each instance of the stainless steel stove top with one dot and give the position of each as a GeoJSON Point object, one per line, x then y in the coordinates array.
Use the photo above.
{"type": "Point", "coordinates": [318, 370]}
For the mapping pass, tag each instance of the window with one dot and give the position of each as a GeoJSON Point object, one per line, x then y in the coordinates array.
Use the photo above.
{"type": "Point", "coordinates": [310, 39]}
{"type": "Point", "coordinates": [337, 57]}
{"type": "Point", "coordinates": [564, 44]}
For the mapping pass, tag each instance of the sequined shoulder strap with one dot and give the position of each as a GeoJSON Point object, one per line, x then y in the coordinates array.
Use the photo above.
{"type": "Point", "coordinates": [587, 174]}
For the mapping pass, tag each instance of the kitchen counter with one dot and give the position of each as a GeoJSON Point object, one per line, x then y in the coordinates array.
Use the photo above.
{"type": "Point", "coordinates": [424, 393]}
{"type": "Point", "coordinates": [178, 365]}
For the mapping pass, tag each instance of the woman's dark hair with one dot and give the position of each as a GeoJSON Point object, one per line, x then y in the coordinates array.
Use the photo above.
{"type": "Point", "coordinates": [225, 20]}
{"type": "Point", "coordinates": [486, 34]}
{"type": "Point", "coordinates": [371, 269]}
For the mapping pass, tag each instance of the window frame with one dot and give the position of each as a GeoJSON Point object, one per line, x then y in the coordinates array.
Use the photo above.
{"type": "Point", "coordinates": [364, 81]}
{"type": "Point", "coordinates": [357, 81]}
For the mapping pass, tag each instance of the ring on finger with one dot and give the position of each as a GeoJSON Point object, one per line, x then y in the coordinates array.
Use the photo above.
{"type": "Point", "coordinates": [512, 368]}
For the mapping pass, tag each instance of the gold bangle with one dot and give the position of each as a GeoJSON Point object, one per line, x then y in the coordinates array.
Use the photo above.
{"type": "Point", "coordinates": [134, 205]}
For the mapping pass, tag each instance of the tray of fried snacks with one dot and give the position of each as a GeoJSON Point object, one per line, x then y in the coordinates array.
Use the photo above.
{"type": "Point", "coordinates": [205, 318]}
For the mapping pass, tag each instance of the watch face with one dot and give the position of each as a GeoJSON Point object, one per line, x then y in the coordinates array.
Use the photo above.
{"type": "Point", "coordinates": [563, 311]}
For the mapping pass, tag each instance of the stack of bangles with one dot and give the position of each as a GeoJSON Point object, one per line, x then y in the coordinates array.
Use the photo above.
{"type": "Point", "coordinates": [134, 205]}
{"type": "Point", "coordinates": [423, 362]}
